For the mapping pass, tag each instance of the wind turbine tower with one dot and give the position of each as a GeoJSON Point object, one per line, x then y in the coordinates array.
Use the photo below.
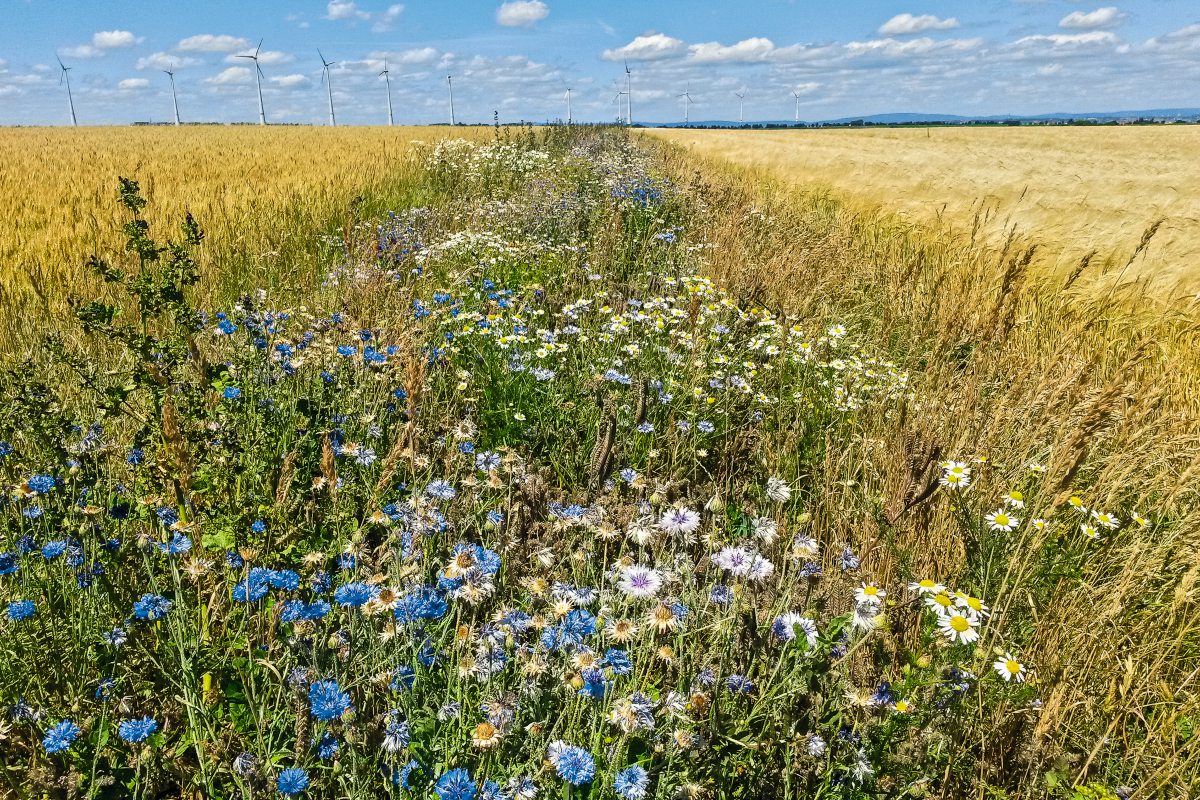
{"type": "Point", "coordinates": [262, 114]}
{"type": "Point", "coordinates": [628, 97]}
{"type": "Point", "coordinates": [741, 96]}
{"type": "Point", "coordinates": [389, 90]}
{"type": "Point", "coordinates": [325, 65]}
{"type": "Point", "coordinates": [687, 104]}
{"type": "Point", "coordinates": [450, 86]}
{"type": "Point", "coordinates": [64, 77]}
{"type": "Point", "coordinates": [174, 99]}
{"type": "Point", "coordinates": [568, 105]}
{"type": "Point", "coordinates": [797, 96]}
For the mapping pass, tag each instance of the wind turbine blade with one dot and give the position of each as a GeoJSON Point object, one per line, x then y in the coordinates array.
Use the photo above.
{"type": "Point", "coordinates": [260, 41]}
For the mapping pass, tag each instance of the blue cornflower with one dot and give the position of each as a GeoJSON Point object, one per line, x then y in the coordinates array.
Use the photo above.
{"type": "Point", "coordinates": [423, 602]}
{"type": "Point", "coordinates": [327, 701]}
{"type": "Point", "coordinates": [495, 517]}
{"type": "Point", "coordinates": [721, 595]}
{"type": "Point", "coordinates": [284, 579]}
{"type": "Point", "coordinates": [258, 526]}
{"type": "Point", "coordinates": [104, 688]}
{"type": "Point", "coordinates": [631, 783]}
{"type": "Point", "coordinates": [440, 490]}
{"type": "Point", "coordinates": [232, 393]}
{"type": "Point", "coordinates": [9, 563]}
{"type": "Point", "coordinates": [327, 746]}
{"type": "Point", "coordinates": [403, 678]}
{"type": "Point", "coordinates": [178, 545]}
{"type": "Point", "coordinates": [848, 561]}
{"type": "Point", "coordinates": [61, 736]}
{"type": "Point", "coordinates": [114, 638]}
{"type": "Point", "coordinates": [353, 595]}
{"type": "Point", "coordinates": [151, 607]}
{"type": "Point", "coordinates": [291, 782]}
{"type": "Point", "coordinates": [21, 610]}
{"type": "Point", "coordinates": [573, 764]}
{"type": "Point", "coordinates": [455, 785]}
{"type": "Point", "coordinates": [618, 661]}
{"type": "Point", "coordinates": [739, 684]}
{"type": "Point", "coordinates": [137, 730]}
{"type": "Point", "coordinates": [487, 461]}
{"type": "Point", "coordinates": [135, 456]}
{"type": "Point", "coordinates": [396, 735]}
{"type": "Point", "coordinates": [40, 484]}
{"type": "Point", "coordinates": [54, 549]}
{"type": "Point", "coordinates": [254, 587]}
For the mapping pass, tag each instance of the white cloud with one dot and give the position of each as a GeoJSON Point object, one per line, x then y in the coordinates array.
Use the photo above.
{"type": "Point", "coordinates": [1050, 69]}
{"type": "Point", "coordinates": [1091, 20]}
{"type": "Point", "coordinates": [902, 24]}
{"type": "Point", "coordinates": [133, 83]}
{"type": "Point", "coordinates": [210, 43]}
{"type": "Point", "coordinates": [647, 47]}
{"type": "Point", "coordinates": [745, 51]}
{"type": "Point", "coordinates": [83, 51]}
{"type": "Point", "coordinates": [290, 81]}
{"type": "Point", "coordinates": [232, 75]}
{"type": "Point", "coordinates": [418, 55]}
{"type": "Point", "coordinates": [166, 61]}
{"type": "Point", "coordinates": [344, 10]}
{"type": "Point", "coordinates": [806, 88]}
{"type": "Point", "coordinates": [387, 19]}
{"type": "Point", "coordinates": [264, 57]}
{"type": "Point", "coordinates": [522, 13]}
{"type": "Point", "coordinates": [894, 48]}
{"type": "Point", "coordinates": [1069, 40]}
{"type": "Point", "coordinates": [108, 40]}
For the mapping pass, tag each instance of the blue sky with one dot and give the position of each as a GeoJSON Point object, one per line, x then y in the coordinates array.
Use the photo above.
{"type": "Point", "coordinates": [518, 58]}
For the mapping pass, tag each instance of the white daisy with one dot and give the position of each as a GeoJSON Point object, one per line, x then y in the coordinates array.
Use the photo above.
{"type": "Point", "coordinates": [1001, 520]}
{"type": "Point", "coordinates": [926, 586]}
{"type": "Point", "coordinates": [1009, 668]}
{"type": "Point", "coordinates": [869, 594]}
{"type": "Point", "coordinates": [959, 627]}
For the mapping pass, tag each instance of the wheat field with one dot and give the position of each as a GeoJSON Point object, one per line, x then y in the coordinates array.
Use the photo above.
{"type": "Point", "coordinates": [1071, 189]}
{"type": "Point", "coordinates": [258, 193]}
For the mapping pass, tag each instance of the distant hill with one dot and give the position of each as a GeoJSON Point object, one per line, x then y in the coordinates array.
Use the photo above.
{"type": "Point", "coordinates": [917, 118]}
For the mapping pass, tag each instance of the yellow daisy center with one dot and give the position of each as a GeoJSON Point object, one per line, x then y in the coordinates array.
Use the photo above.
{"type": "Point", "coordinates": [1012, 666]}
{"type": "Point", "coordinates": [959, 623]}
{"type": "Point", "coordinates": [1001, 519]}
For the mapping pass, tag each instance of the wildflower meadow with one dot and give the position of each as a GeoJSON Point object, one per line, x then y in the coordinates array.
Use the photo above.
{"type": "Point", "coordinates": [520, 503]}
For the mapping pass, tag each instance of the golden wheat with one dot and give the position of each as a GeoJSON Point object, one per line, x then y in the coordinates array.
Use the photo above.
{"type": "Point", "coordinates": [259, 194]}
{"type": "Point", "coordinates": [1074, 190]}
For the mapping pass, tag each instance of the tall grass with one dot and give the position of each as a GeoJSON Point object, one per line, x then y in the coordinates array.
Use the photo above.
{"type": "Point", "coordinates": [1009, 366]}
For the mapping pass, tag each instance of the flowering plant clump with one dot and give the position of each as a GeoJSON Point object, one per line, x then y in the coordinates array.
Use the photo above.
{"type": "Point", "coordinates": [514, 510]}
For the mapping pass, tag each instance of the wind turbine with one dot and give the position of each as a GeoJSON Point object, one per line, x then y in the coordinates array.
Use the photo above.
{"type": "Point", "coordinates": [450, 86]}
{"type": "Point", "coordinates": [628, 97]}
{"type": "Point", "coordinates": [325, 65]}
{"type": "Point", "coordinates": [389, 89]}
{"type": "Point", "coordinates": [63, 76]}
{"type": "Point", "coordinates": [687, 103]}
{"type": "Point", "coordinates": [797, 96]}
{"type": "Point", "coordinates": [568, 105]}
{"type": "Point", "coordinates": [617, 99]}
{"type": "Point", "coordinates": [262, 114]}
{"type": "Point", "coordinates": [174, 99]}
{"type": "Point", "coordinates": [741, 96]}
